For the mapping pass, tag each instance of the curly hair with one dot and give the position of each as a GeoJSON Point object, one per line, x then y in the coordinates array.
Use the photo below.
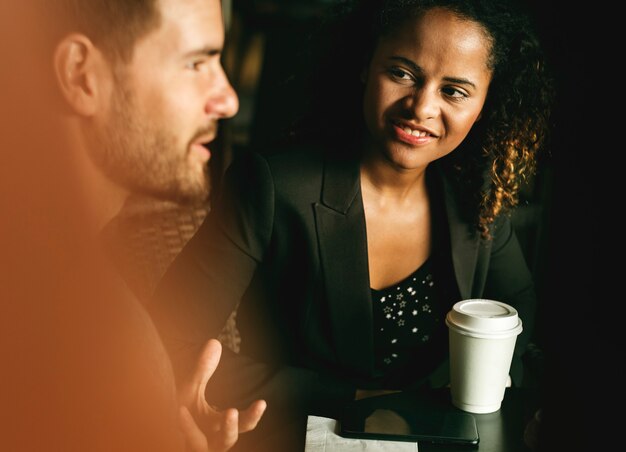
{"type": "Point", "coordinates": [500, 152]}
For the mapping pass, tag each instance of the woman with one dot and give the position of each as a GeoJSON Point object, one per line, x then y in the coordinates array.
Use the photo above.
{"type": "Point", "coordinates": [346, 253]}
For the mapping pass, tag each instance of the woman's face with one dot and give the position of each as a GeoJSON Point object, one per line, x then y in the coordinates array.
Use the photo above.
{"type": "Point", "coordinates": [425, 87]}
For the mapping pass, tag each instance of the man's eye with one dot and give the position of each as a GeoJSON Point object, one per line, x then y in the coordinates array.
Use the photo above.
{"type": "Point", "coordinates": [194, 65]}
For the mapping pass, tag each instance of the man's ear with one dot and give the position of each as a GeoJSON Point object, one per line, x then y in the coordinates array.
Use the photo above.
{"type": "Point", "coordinates": [78, 67]}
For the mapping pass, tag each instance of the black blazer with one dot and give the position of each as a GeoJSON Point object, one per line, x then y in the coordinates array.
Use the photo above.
{"type": "Point", "coordinates": [287, 239]}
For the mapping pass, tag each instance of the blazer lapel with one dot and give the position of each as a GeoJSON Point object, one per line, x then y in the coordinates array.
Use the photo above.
{"type": "Point", "coordinates": [464, 243]}
{"type": "Point", "coordinates": [342, 238]}
{"type": "Point", "coordinates": [340, 223]}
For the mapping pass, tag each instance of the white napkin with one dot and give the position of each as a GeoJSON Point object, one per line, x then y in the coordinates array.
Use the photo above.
{"type": "Point", "coordinates": [321, 436]}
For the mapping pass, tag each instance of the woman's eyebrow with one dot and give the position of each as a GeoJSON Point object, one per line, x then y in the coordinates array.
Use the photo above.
{"type": "Point", "coordinates": [417, 69]}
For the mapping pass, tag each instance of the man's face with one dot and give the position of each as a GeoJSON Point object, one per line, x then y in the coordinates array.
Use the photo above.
{"type": "Point", "coordinates": [166, 102]}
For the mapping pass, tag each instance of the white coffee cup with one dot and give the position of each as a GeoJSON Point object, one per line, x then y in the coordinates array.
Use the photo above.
{"type": "Point", "coordinates": [482, 335]}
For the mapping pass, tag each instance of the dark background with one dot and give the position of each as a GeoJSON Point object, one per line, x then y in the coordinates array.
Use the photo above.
{"type": "Point", "coordinates": [581, 363]}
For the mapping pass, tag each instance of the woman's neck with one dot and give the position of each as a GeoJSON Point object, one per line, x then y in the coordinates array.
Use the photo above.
{"type": "Point", "coordinates": [381, 178]}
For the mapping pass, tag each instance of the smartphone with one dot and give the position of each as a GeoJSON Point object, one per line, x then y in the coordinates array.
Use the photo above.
{"type": "Point", "coordinates": [408, 417]}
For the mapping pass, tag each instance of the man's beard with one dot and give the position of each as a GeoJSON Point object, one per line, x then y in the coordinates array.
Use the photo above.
{"type": "Point", "coordinates": [141, 154]}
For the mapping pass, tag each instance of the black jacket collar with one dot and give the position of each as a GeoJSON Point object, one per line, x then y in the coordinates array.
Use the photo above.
{"type": "Point", "coordinates": [342, 237]}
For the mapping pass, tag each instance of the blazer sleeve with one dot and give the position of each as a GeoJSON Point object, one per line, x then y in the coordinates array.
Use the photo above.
{"type": "Point", "coordinates": [207, 280]}
{"type": "Point", "coordinates": [509, 280]}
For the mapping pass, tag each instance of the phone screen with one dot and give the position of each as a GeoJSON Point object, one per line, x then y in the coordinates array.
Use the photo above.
{"type": "Point", "coordinates": [404, 417]}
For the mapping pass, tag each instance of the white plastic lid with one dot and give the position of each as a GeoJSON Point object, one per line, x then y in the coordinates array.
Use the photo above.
{"type": "Point", "coordinates": [481, 317]}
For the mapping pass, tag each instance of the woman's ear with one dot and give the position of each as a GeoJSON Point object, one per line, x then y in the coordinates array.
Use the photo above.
{"type": "Point", "coordinates": [77, 66]}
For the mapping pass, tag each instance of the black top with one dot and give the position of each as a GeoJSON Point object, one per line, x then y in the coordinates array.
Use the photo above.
{"type": "Point", "coordinates": [404, 319]}
{"type": "Point", "coordinates": [409, 331]}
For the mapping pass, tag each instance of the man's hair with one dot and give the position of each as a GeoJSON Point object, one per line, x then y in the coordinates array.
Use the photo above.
{"type": "Point", "coordinates": [113, 25]}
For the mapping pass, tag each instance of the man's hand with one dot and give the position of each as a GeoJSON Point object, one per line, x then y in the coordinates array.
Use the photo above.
{"type": "Point", "coordinates": [212, 430]}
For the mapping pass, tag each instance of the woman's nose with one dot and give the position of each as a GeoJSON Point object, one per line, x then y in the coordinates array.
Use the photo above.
{"type": "Point", "coordinates": [424, 103]}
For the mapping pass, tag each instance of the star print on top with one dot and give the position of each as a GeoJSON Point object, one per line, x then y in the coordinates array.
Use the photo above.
{"type": "Point", "coordinates": [404, 318]}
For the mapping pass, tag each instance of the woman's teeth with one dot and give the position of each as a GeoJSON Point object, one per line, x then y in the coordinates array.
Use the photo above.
{"type": "Point", "coordinates": [415, 133]}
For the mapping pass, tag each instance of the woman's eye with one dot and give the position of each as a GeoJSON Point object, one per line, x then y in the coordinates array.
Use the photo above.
{"type": "Point", "coordinates": [455, 93]}
{"type": "Point", "coordinates": [399, 74]}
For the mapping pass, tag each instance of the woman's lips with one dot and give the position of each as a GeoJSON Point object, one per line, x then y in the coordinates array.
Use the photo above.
{"type": "Point", "coordinates": [411, 136]}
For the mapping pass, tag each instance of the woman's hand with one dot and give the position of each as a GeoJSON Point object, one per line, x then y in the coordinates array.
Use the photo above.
{"type": "Point", "coordinates": [212, 430]}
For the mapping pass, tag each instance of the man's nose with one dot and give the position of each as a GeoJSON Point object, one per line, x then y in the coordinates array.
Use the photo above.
{"type": "Point", "coordinates": [223, 101]}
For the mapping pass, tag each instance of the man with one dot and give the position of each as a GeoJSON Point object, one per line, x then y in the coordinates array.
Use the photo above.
{"type": "Point", "coordinates": [143, 90]}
